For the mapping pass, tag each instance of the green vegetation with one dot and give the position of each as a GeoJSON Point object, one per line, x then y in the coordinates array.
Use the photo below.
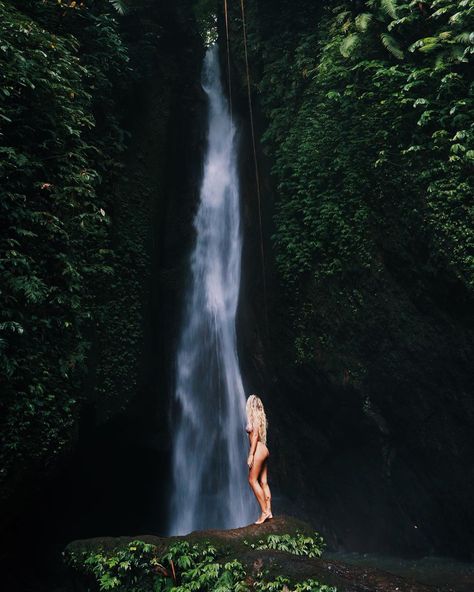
{"type": "Point", "coordinates": [384, 125]}
{"type": "Point", "coordinates": [205, 12]}
{"type": "Point", "coordinates": [368, 123]}
{"type": "Point", "coordinates": [74, 241]}
{"type": "Point", "coordinates": [185, 566]}
{"type": "Point", "coordinates": [299, 544]}
{"type": "Point", "coordinates": [60, 147]}
{"type": "Point", "coordinates": [283, 584]}
{"type": "Point", "coordinates": [133, 567]}
{"type": "Point", "coordinates": [367, 111]}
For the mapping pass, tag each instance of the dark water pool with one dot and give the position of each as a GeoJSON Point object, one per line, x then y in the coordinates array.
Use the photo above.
{"type": "Point", "coordinates": [444, 574]}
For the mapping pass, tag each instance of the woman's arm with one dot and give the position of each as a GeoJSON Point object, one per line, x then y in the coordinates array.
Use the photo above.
{"type": "Point", "coordinates": [253, 446]}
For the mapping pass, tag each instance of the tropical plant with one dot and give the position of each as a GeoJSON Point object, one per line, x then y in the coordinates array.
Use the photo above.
{"type": "Point", "coordinates": [297, 544]}
{"type": "Point", "coordinates": [120, 6]}
{"type": "Point", "coordinates": [378, 21]}
{"type": "Point", "coordinates": [371, 142]}
{"type": "Point", "coordinates": [183, 567]}
{"type": "Point", "coordinates": [60, 145]}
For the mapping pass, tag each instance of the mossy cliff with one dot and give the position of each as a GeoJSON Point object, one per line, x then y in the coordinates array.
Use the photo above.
{"type": "Point", "coordinates": [363, 112]}
{"type": "Point", "coordinates": [106, 112]}
{"type": "Point", "coordinates": [360, 339]}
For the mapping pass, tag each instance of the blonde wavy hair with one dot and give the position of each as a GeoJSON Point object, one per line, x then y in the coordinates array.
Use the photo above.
{"type": "Point", "coordinates": [256, 416]}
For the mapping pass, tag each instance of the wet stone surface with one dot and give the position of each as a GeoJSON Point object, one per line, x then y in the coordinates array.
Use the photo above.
{"type": "Point", "coordinates": [345, 575]}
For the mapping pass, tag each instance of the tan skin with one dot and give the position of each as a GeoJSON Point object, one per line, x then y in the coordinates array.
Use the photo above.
{"type": "Point", "coordinates": [258, 473]}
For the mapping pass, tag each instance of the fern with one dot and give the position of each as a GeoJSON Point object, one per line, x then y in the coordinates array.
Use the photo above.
{"type": "Point", "coordinates": [391, 45]}
{"type": "Point", "coordinates": [363, 20]}
{"type": "Point", "coordinates": [465, 38]}
{"type": "Point", "coordinates": [120, 6]}
{"type": "Point", "coordinates": [389, 7]}
{"type": "Point", "coordinates": [349, 44]}
{"type": "Point", "coordinates": [12, 326]}
{"type": "Point", "coordinates": [429, 47]}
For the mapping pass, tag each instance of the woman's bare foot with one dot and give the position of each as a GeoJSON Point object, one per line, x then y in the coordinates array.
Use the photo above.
{"type": "Point", "coordinates": [263, 517]}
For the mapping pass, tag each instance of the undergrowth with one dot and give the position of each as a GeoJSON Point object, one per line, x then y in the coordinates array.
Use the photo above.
{"type": "Point", "coordinates": [300, 544]}
{"type": "Point", "coordinates": [186, 567]}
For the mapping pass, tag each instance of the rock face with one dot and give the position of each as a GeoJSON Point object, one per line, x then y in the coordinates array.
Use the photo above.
{"type": "Point", "coordinates": [381, 463]}
{"type": "Point", "coordinates": [230, 545]}
{"type": "Point", "coordinates": [121, 433]}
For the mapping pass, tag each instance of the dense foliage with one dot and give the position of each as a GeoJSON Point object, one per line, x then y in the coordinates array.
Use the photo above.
{"type": "Point", "coordinates": [298, 544]}
{"type": "Point", "coordinates": [60, 145]}
{"type": "Point", "coordinates": [370, 130]}
{"type": "Point", "coordinates": [75, 240]}
{"type": "Point", "coordinates": [206, 19]}
{"type": "Point", "coordinates": [183, 567]}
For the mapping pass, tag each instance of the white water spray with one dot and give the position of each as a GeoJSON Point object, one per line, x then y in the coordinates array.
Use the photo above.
{"type": "Point", "coordinates": [210, 445]}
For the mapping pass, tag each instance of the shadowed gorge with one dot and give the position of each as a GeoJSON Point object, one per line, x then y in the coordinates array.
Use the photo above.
{"type": "Point", "coordinates": [367, 369]}
{"type": "Point", "coordinates": [156, 271]}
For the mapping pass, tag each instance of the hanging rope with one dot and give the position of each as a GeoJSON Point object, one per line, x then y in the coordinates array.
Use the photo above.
{"type": "Point", "coordinates": [254, 146]}
{"type": "Point", "coordinates": [257, 175]}
{"type": "Point", "coordinates": [229, 85]}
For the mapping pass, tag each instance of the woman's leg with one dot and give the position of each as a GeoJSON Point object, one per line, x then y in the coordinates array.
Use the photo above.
{"type": "Point", "coordinates": [263, 480]}
{"type": "Point", "coordinates": [255, 470]}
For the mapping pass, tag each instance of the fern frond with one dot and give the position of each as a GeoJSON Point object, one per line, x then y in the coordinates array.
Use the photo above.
{"type": "Point", "coordinates": [389, 7]}
{"type": "Point", "coordinates": [440, 12]}
{"type": "Point", "coordinates": [466, 37]}
{"type": "Point", "coordinates": [342, 16]}
{"type": "Point", "coordinates": [456, 17]}
{"type": "Point", "coordinates": [391, 45]}
{"type": "Point", "coordinates": [349, 44]}
{"type": "Point", "coordinates": [404, 20]}
{"type": "Point", "coordinates": [457, 54]}
{"type": "Point", "coordinates": [363, 20]}
{"type": "Point", "coordinates": [120, 6]}
{"type": "Point", "coordinates": [426, 44]}
{"type": "Point", "coordinates": [429, 47]}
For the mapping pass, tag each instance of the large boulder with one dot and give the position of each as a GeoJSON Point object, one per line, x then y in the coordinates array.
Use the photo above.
{"type": "Point", "coordinates": [237, 544]}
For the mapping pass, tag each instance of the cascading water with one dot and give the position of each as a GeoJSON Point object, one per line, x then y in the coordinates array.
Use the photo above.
{"type": "Point", "coordinates": [210, 445]}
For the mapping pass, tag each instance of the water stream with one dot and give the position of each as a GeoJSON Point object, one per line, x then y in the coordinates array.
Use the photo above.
{"type": "Point", "coordinates": [210, 488]}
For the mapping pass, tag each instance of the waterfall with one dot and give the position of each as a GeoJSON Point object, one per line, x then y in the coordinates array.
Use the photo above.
{"type": "Point", "coordinates": [209, 442]}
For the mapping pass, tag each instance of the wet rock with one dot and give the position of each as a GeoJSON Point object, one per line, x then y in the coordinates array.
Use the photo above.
{"type": "Point", "coordinates": [346, 577]}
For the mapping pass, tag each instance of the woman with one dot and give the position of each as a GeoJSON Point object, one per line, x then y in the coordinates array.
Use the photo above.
{"type": "Point", "coordinates": [258, 456]}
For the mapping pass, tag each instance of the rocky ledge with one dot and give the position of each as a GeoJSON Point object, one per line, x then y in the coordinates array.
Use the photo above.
{"type": "Point", "coordinates": [237, 544]}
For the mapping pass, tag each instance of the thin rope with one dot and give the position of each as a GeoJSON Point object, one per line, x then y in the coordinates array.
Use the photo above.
{"type": "Point", "coordinates": [257, 176]}
{"type": "Point", "coordinates": [229, 85]}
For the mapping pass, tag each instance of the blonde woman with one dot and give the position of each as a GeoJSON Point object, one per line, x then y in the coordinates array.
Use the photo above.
{"type": "Point", "coordinates": [258, 456]}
